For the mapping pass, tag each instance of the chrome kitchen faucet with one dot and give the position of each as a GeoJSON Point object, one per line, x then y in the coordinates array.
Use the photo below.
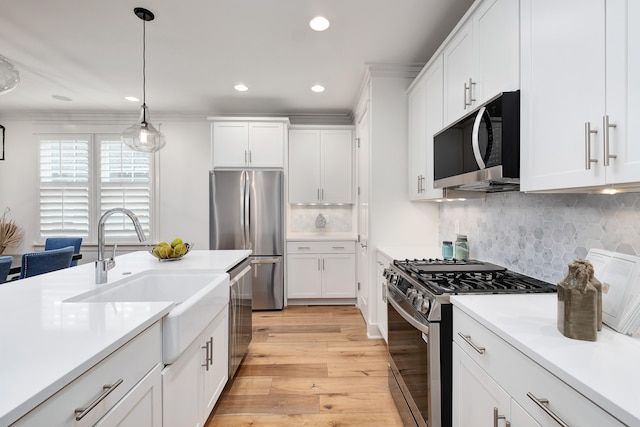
{"type": "Point", "coordinates": [104, 265]}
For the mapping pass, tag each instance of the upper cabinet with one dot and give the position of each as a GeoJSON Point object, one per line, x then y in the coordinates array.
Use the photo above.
{"type": "Point", "coordinates": [481, 59]}
{"type": "Point", "coordinates": [425, 119]}
{"type": "Point", "coordinates": [578, 98]}
{"type": "Point", "coordinates": [241, 143]}
{"type": "Point", "coordinates": [321, 165]}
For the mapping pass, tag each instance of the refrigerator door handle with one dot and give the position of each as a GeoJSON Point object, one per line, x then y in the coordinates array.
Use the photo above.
{"type": "Point", "coordinates": [247, 211]}
{"type": "Point", "coordinates": [242, 208]}
{"type": "Point", "coordinates": [266, 261]}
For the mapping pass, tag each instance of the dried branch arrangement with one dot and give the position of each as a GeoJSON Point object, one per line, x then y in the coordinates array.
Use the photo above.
{"type": "Point", "coordinates": [11, 234]}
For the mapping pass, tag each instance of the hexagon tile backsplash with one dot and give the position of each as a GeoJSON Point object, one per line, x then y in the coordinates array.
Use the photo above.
{"type": "Point", "coordinates": [540, 234]}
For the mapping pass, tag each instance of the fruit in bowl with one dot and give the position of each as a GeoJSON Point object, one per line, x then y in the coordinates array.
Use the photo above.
{"type": "Point", "coordinates": [171, 252]}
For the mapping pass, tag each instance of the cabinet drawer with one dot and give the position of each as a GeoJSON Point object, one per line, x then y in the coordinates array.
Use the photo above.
{"type": "Point", "coordinates": [382, 261]}
{"type": "Point", "coordinates": [324, 247]}
{"type": "Point", "coordinates": [524, 379]}
{"type": "Point", "coordinates": [130, 364]}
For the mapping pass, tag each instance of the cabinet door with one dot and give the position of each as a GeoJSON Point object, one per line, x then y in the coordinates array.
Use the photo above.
{"type": "Point", "coordinates": [475, 394]}
{"type": "Point", "coordinates": [230, 144]}
{"type": "Point", "coordinates": [181, 389]}
{"type": "Point", "coordinates": [336, 166]}
{"type": "Point", "coordinates": [338, 276]}
{"type": "Point", "coordinates": [417, 138]}
{"type": "Point", "coordinates": [266, 145]}
{"type": "Point", "coordinates": [382, 263]}
{"type": "Point", "coordinates": [434, 92]}
{"type": "Point", "coordinates": [458, 69]}
{"type": "Point", "coordinates": [303, 276]}
{"type": "Point", "coordinates": [562, 89]}
{"type": "Point", "coordinates": [141, 407]}
{"type": "Point", "coordinates": [496, 34]}
{"type": "Point", "coordinates": [304, 166]}
{"type": "Point", "coordinates": [216, 370]}
{"type": "Point", "coordinates": [623, 88]}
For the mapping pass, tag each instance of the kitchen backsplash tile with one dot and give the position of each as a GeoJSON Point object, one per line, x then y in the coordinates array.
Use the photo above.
{"type": "Point", "coordinates": [303, 219]}
{"type": "Point", "coordinates": [539, 234]}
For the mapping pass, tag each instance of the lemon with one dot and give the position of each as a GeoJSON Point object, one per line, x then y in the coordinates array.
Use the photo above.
{"type": "Point", "coordinates": [179, 250]}
{"type": "Point", "coordinates": [163, 251]}
{"type": "Point", "coordinates": [175, 242]}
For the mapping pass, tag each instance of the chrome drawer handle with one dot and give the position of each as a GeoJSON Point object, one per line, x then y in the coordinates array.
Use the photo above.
{"type": "Point", "coordinates": [587, 146]}
{"type": "Point", "coordinates": [467, 339]}
{"type": "Point", "coordinates": [106, 389]}
{"type": "Point", "coordinates": [544, 405]}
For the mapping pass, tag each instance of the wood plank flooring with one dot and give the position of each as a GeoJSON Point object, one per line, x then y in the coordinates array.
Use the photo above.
{"type": "Point", "coordinates": [309, 366]}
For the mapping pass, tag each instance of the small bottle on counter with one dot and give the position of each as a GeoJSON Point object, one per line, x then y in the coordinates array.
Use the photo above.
{"type": "Point", "coordinates": [461, 248]}
{"type": "Point", "coordinates": [447, 249]}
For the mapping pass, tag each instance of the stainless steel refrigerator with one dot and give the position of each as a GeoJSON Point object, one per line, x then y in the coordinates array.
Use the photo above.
{"type": "Point", "coordinates": [247, 212]}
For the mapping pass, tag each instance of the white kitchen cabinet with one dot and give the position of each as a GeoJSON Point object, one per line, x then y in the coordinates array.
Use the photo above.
{"type": "Point", "coordinates": [321, 270]}
{"type": "Point", "coordinates": [194, 382]}
{"type": "Point", "coordinates": [482, 58]}
{"type": "Point", "coordinates": [321, 165]}
{"type": "Point", "coordinates": [125, 386]}
{"type": "Point", "coordinates": [382, 262]}
{"type": "Point", "coordinates": [577, 115]}
{"type": "Point", "coordinates": [487, 362]}
{"type": "Point", "coordinates": [476, 394]}
{"type": "Point", "coordinates": [258, 144]}
{"type": "Point", "coordinates": [425, 119]}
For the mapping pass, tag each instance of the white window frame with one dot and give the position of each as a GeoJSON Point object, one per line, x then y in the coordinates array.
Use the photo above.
{"type": "Point", "coordinates": [94, 188]}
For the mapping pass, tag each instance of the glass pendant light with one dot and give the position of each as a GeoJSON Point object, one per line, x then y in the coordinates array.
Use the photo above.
{"type": "Point", "coordinates": [9, 76]}
{"type": "Point", "coordinates": [143, 136]}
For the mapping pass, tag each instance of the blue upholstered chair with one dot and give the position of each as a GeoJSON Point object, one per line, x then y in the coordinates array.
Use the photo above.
{"type": "Point", "coordinates": [5, 265]}
{"type": "Point", "coordinates": [63, 242]}
{"type": "Point", "coordinates": [35, 263]}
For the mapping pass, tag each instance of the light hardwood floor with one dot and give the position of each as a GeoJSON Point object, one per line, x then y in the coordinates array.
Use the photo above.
{"type": "Point", "coordinates": [309, 366]}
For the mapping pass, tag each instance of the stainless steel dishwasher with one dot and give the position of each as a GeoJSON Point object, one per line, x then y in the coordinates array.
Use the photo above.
{"type": "Point", "coordinates": [240, 324]}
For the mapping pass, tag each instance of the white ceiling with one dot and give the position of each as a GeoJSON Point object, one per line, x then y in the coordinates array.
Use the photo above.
{"type": "Point", "coordinates": [91, 52]}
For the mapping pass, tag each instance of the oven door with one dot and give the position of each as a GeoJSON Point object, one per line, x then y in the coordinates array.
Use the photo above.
{"type": "Point", "coordinates": [414, 376]}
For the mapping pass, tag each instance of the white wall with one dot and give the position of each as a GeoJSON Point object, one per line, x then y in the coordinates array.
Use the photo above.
{"type": "Point", "coordinates": [183, 168]}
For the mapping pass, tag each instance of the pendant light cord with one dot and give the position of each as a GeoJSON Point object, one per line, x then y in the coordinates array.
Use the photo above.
{"type": "Point", "coordinates": [144, 62]}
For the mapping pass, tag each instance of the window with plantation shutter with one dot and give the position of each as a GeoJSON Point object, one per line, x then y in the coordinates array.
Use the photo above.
{"type": "Point", "coordinates": [83, 176]}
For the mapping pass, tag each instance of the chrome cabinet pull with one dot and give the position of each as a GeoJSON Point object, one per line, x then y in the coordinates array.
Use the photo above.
{"type": "Point", "coordinates": [466, 88]}
{"type": "Point", "coordinates": [337, 247]}
{"type": "Point", "coordinates": [544, 405]}
{"type": "Point", "coordinates": [318, 194]}
{"type": "Point", "coordinates": [467, 339]}
{"type": "Point", "coordinates": [206, 358]}
{"type": "Point", "coordinates": [497, 417]}
{"type": "Point", "coordinates": [605, 129]}
{"type": "Point", "coordinates": [250, 161]}
{"type": "Point", "coordinates": [210, 345]}
{"type": "Point", "coordinates": [106, 390]}
{"type": "Point", "coordinates": [245, 157]}
{"type": "Point", "coordinates": [304, 247]}
{"type": "Point", "coordinates": [587, 146]}
{"type": "Point", "coordinates": [471, 85]}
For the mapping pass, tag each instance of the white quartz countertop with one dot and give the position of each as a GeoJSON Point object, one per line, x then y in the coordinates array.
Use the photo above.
{"type": "Point", "coordinates": [46, 342]}
{"type": "Point", "coordinates": [606, 371]}
{"type": "Point", "coordinates": [320, 236]}
{"type": "Point", "coordinates": [410, 252]}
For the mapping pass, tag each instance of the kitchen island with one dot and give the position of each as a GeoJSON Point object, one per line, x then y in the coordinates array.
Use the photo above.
{"type": "Point", "coordinates": [47, 342]}
{"type": "Point", "coordinates": [603, 375]}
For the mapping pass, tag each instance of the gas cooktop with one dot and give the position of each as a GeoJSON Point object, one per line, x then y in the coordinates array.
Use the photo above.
{"type": "Point", "coordinates": [468, 276]}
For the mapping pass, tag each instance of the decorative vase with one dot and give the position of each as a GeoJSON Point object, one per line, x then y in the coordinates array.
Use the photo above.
{"type": "Point", "coordinates": [578, 303]}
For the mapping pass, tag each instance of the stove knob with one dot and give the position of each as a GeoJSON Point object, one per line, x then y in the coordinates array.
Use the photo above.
{"type": "Point", "coordinates": [426, 305]}
{"type": "Point", "coordinates": [417, 303]}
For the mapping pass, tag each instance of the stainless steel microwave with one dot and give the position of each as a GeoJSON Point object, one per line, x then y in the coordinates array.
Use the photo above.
{"type": "Point", "coordinates": [481, 152]}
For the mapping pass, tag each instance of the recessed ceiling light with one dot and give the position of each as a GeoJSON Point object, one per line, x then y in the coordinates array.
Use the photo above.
{"type": "Point", "coordinates": [131, 98]}
{"type": "Point", "coordinates": [317, 88]}
{"type": "Point", "coordinates": [319, 23]}
{"type": "Point", "coordinates": [61, 98]}
{"type": "Point", "coordinates": [241, 88]}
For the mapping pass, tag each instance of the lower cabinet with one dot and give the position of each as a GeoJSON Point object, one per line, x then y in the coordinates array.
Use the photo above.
{"type": "Point", "coordinates": [489, 373]}
{"type": "Point", "coordinates": [382, 262]}
{"type": "Point", "coordinates": [192, 384]}
{"type": "Point", "coordinates": [321, 270]}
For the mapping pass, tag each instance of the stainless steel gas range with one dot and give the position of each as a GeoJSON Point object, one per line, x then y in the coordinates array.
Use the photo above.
{"type": "Point", "coordinates": [420, 324]}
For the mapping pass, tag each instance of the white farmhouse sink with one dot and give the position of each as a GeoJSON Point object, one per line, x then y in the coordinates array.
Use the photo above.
{"type": "Point", "coordinates": [198, 297]}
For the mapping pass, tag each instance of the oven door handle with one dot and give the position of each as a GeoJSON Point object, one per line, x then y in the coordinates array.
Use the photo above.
{"type": "Point", "coordinates": [413, 322]}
